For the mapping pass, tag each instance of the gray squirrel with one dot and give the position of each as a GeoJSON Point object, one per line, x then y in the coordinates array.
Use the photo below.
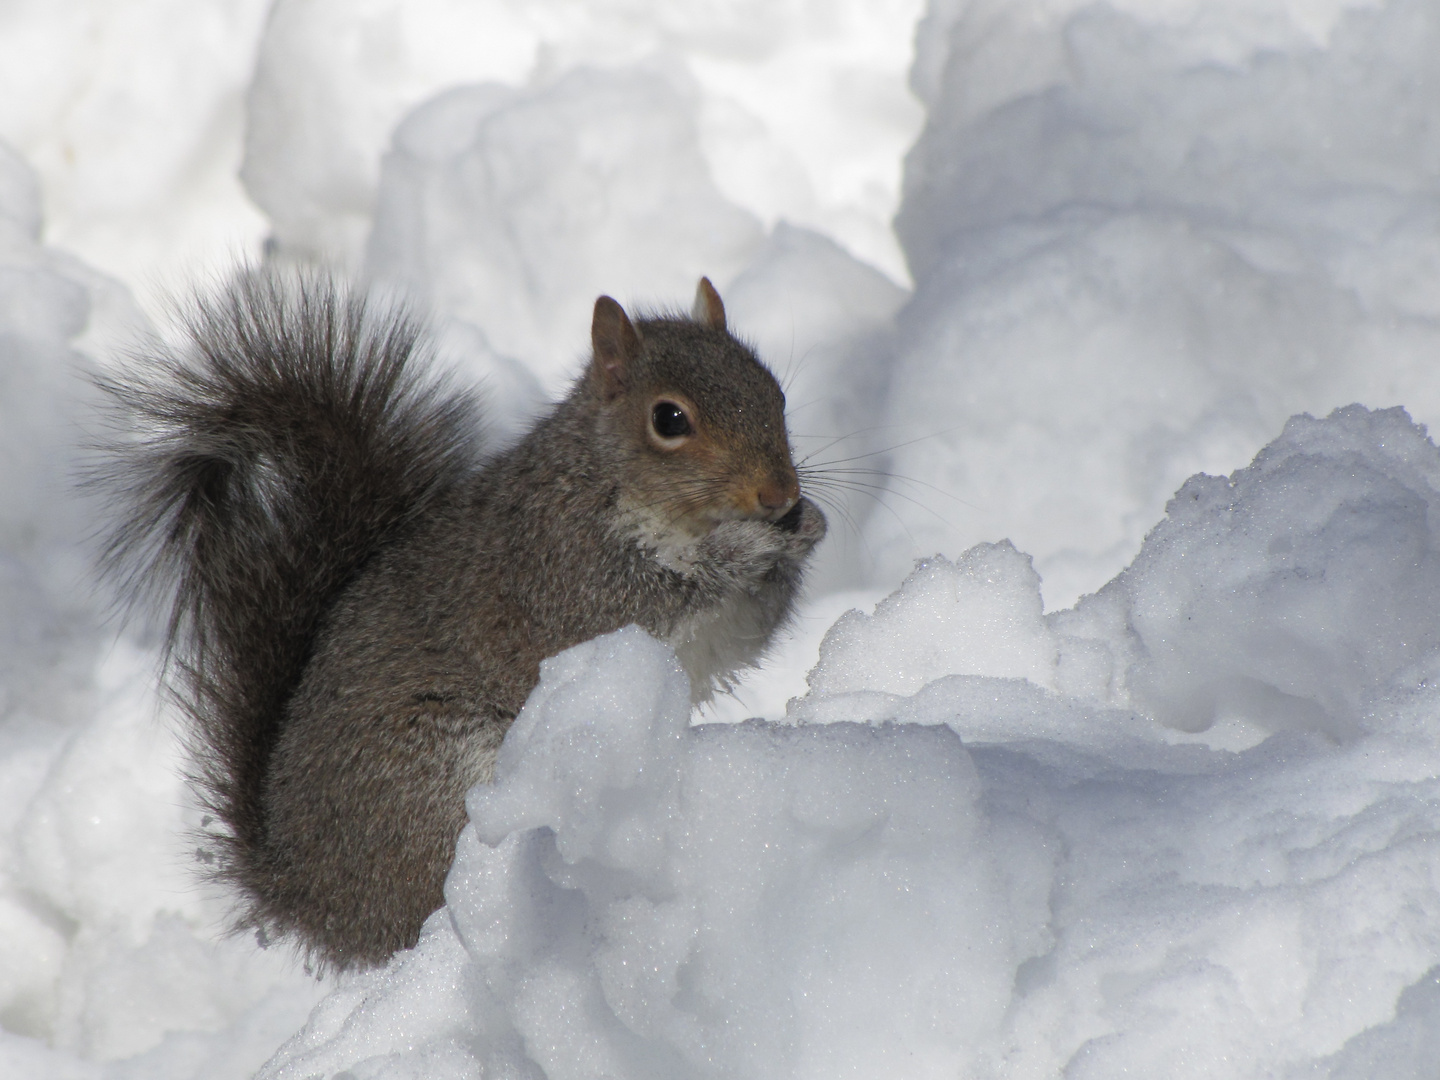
{"type": "Point", "coordinates": [357, 601]}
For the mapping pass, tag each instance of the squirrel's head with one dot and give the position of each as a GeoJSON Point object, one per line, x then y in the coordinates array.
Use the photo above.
{"type": "Point", "coordinates": [699, 419]}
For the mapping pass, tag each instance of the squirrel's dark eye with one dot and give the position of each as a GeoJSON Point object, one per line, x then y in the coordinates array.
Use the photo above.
{"type": "Point", "coordinates": [669, 420]}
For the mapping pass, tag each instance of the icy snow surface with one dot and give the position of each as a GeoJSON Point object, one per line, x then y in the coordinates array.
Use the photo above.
{"type": "Point", "coordinates": [1174, 816]}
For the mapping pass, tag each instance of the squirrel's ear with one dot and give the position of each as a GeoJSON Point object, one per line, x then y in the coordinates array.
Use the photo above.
{"type": "Point", "coordinates": [616, 345]}
{"type": "Point", "coordinates": [708, 309]}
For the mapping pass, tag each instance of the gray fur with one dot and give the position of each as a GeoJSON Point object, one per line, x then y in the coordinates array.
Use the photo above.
{"type": "Point", "coordinates": [358, 610]}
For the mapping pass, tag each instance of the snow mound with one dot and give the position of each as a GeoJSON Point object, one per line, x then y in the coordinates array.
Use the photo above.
{"type": "Point", "coordinates": [1174, 226]}
{"type": "Point", "coordinates": [801, 111]}
{"type": "Point", "coordinates": [636, 897]}
{"type": "Point", "coordinates": [1076, 886]}
{"type": "Point", "coordinates": [1296, 591]}
{"type": "Point", "coordinates": [514, 210]}
{"type": "Point", "coordinates": [1288, 596]}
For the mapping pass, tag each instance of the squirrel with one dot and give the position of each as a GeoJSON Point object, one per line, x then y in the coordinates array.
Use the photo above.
{"type": "Point", "coordinates": [357, 600]}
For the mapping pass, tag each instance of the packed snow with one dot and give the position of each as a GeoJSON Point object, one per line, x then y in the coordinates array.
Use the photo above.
{"type": "Point", "coordinates": [1108, 739]}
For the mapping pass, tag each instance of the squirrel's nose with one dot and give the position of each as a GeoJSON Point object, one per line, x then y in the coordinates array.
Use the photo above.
{"type": "Point", "coordinates": [778, 494]}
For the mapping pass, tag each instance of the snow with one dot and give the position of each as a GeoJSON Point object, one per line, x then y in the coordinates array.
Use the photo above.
{"type": "Point", "coordinates": [801, 108]}
{"type": "Point", "coordinates": [504, 209]}
{"type": "Point", "coordinates": [1174, 229]}
{"type": "Point", "coordinates": [1135, 772]}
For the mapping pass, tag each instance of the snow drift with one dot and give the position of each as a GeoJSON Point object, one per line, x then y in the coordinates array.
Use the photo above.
{"type": "Point", "coordinates": [967, 852]}
{"type": "Point", "coordinates": [1174, 815]}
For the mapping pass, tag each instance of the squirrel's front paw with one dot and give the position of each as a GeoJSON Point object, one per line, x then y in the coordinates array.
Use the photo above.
{"type": "Point", "coordinates": [745, 543]}
{"type": "Point", "coordinates": [805, 523]}
{"type": "Point", "coordinates": [749, 548]}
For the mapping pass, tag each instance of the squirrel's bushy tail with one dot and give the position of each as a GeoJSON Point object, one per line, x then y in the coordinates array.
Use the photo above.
{"type": "Point", "coordinates": [262, 463]}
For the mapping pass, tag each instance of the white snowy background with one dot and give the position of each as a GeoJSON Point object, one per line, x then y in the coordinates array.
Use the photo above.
{"type": "Point", "coordinates": [1137, 773]}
